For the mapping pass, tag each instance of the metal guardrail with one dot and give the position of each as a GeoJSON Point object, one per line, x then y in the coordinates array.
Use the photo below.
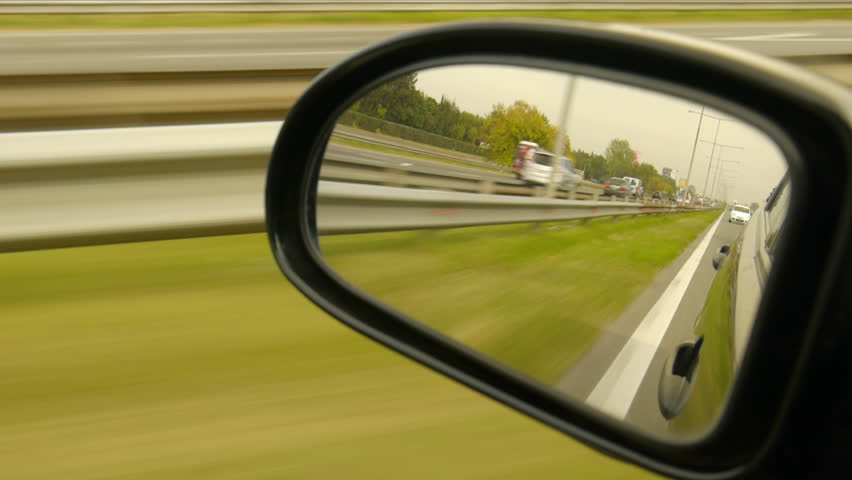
{"type": "Point", "coordinates": [353, 208]}
{"type": "Point", "coordinates": [74, 188]}
{"type": "Point", "coordinates": [45, 102]}
{"type": "Point", "coordinates": [172, 6]}
{"type": "Point", "coordinates": [128, 99]}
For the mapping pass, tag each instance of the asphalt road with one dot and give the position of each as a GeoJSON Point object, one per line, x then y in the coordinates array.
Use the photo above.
{"type": "Point", "coordinates": [70, 52]}
{"type": "Point", "coordinates": [643, 410]}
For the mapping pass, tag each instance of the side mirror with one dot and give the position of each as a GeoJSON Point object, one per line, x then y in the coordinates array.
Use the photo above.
{"type": "Point", "coordinates": [720, 256]}
{"type": "Point", "coordinates": [676, 379]}
{"type": "Point", "coordinates": [456, 250]}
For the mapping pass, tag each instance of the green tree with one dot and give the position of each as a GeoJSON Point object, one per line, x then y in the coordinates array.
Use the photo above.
{"type": "Point", "coordinates": [505, 126]}
{"type": "Point", "coordinates": [657, 184]}
{"type": "Point", "coordinates": [619, 157]}
{"type": "Point", "coordinates": [397, 101]}
{"type": "Point", "coordinates": [593, 164]}
{"type": "Point", "coordinates": [567, 148]}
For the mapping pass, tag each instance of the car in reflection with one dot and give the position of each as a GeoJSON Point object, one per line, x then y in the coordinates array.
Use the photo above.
{"type": "Point", "coordinates": [535, 165]}
{"type": "Point", "coordinates": [697, 376]}
{"type": "Point", "coordinates": [739, 214]}
{"type": "Point", "coordinates": [637, 190]}
{"type": "Point", "coordinates": [616, 186]}
{"type": "Point", "coordinates": [571, 178]}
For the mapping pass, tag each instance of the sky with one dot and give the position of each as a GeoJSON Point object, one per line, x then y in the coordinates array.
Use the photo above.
{"type": "Point", "coordinates": [662, 128]}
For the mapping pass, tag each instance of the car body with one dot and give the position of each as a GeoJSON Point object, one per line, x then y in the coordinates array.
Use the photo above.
{"type": "Point", "coordinates": [616, 186]}
{"type": "Point", "coordinates": [739, 214]}
{"type": "Point", "coordinates": [571, 178]}
{"type": "Point", "coordinates": [535, 165]}
{"type": "Point", "coordinates": [725, 321]}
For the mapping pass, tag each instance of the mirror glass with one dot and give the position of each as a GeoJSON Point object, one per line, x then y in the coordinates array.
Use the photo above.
{"type": "Point", "coordinates": [609, 242]}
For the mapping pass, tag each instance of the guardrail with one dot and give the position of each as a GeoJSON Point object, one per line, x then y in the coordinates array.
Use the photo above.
{"type": "Point", "coordinates": [172, 6]}
{"type": "Point", "coordinates": [45, 102]}
{"type": "Point", "coordinates": [353, 208]}
{"type": "Point", "coordinates": [74, 188]}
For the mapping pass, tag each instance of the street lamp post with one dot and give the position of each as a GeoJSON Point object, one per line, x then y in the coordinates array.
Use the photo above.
{"type": "Point", "coordinates": [718, 163]}
{"type": "Point", "coordinates": [694, 145]}
{"type": "Point", "coordinates": [712, 152]}
{"type": "Point", "coordinates": [561, 129]}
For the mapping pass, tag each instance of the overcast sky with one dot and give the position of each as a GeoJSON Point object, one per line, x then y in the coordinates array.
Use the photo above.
{"type": "Point", "coordinates": [659, 126]}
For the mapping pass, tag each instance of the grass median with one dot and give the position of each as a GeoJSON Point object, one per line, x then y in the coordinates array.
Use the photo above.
{"type": "Point", "coordinates": [406, 153]}
{"type": "Point", "coordinates": [195, 359]}
{"type": "Point", "coordinates": [249, 19]}
{"type": "Point", "coordinates": [533, 299]}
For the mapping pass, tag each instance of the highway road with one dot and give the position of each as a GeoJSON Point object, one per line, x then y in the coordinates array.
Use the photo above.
{"type": "Point", "coordinates": [639, 405]}
{"type": "Point", "coordinates": [70, 52]}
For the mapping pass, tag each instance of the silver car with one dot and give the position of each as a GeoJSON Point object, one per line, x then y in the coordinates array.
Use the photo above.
{"type": "Point", "coordinates": [616, 186]}
{"type": "Point", "coordinates": [739, 214]}
{"type": "Point", "coordinates": [570, 177]}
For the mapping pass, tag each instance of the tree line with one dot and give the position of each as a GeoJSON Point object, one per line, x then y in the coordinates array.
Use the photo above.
{"type": "Point", "coordinates": [618, 160]}
{"type": "Point", "coordinates": [498, 133]}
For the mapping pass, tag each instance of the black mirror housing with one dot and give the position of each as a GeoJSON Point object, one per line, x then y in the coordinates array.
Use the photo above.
{"type": "Point", "coordinates": [808, 117]}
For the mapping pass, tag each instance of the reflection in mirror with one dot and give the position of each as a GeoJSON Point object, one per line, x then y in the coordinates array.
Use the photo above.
{"type": "Point", "coordinates": [607, 241]}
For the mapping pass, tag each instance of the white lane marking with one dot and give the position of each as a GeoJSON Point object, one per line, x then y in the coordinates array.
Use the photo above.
{"type": "Point", "coordinates": [248, 54]}
{"type": "Point", "coordinates": [616, 390]}
{"type": "Point", "coordinates": [768, 36]}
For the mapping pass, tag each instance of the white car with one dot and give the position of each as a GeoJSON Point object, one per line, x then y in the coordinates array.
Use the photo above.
{"type": "Point", "coordinates": [740, 214]}
{"type": "Point", "coordinates": [635, 186]}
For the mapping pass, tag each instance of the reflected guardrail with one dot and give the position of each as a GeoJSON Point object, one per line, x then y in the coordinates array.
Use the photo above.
{"type": "Point", "coordinates": [74, 188]}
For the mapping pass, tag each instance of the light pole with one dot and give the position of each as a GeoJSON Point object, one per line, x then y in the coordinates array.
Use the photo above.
{"type": "Point", "coordinates": [718, 162]}
{"type": "Point", "coordinates": [561, 128]}
{"type": "Point", "coordinates": [715, 138]}
{"type": "Point", "coordinates": [694, 145]}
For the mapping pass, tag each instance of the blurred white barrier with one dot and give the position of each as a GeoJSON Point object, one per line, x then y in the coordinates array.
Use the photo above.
{"type": "Point", "coordinates": [71, 188]}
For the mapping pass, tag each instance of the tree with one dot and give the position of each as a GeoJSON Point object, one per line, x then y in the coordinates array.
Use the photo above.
{"type": "Point", "coordinates": [619, 157]}
{"type": "Point", "coordinates": [657, 184]}
{"type": "Point", "coordinates": [691, 191]}
{"type": "Point", "coordinates": [567, 148]}
{"type": "Point", "coordinates": [592, 164]}
{"type": "Point", "coordinates": [397, 101]}
{"type": "Point", "coordinates": [505, 126]}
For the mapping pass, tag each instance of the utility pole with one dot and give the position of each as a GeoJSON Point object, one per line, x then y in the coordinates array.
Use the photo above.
{"type": "Point", "coordinates": [718, 163]}
{"type": "Point", "coordinates": [694, 145]}
{"type": "Point", "coordinates": [718, 166]}
{"type": "Point", "coordinates": [561, 129]}
{"type": "Point", "coordinates": [715, 138]}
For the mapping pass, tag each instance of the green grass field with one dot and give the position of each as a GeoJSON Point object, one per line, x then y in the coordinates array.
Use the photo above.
{"type": "Point", "coordinates": [166, 20]}
{"type": "Point", "coordinates": [196, 359]}
{"type": "Point", "coordinates": [534, 299]}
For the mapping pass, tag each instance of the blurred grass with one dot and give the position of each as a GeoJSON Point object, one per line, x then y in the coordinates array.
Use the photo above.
{"type": "Point", "coordinates": [535, 300]}
{"type": "Point", "coordinates": [196, 359]}
{"type": "Point", "coordinates": [247, 19]}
